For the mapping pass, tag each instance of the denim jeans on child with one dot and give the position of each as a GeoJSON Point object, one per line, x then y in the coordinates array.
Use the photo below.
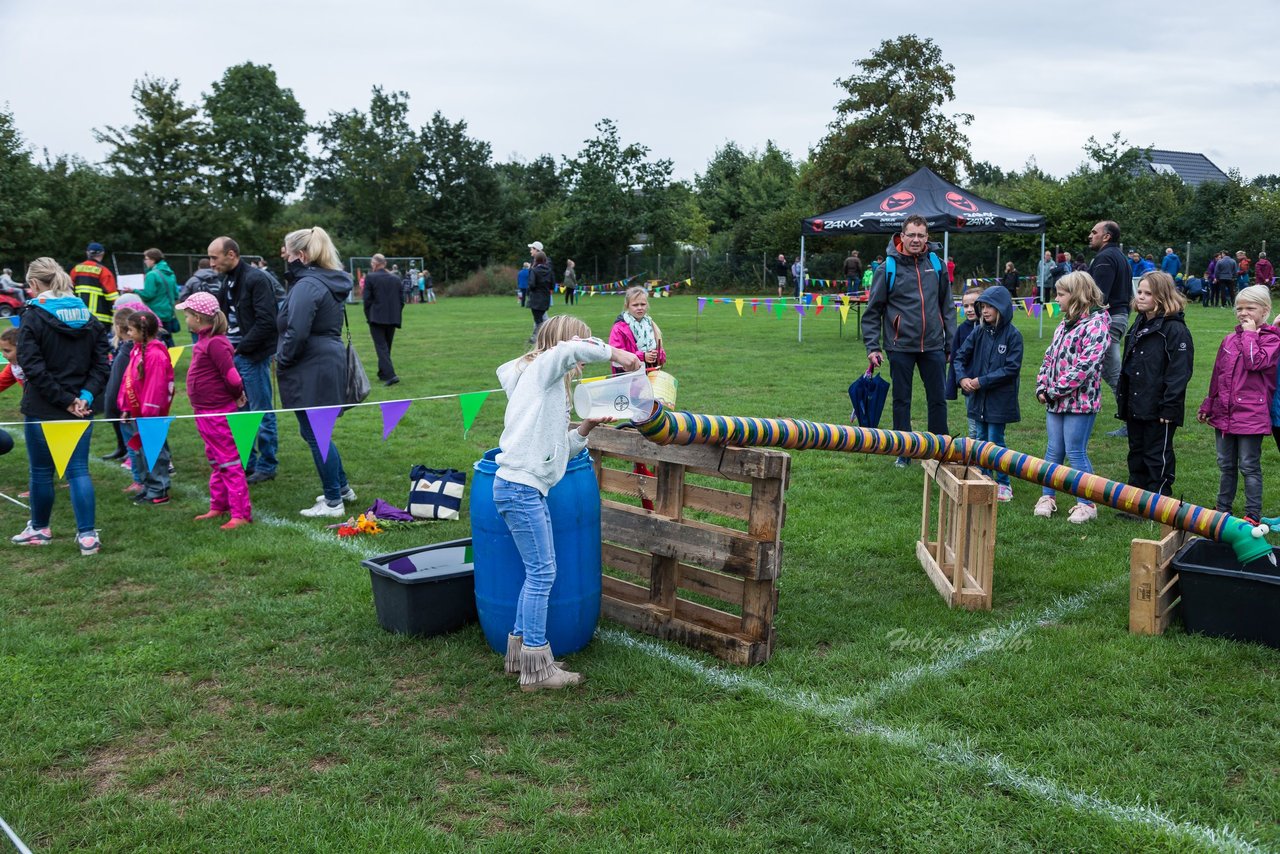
{"type": "Point", "coordinates": [257, 387]}
{"type": "Point", "coordinates": [43, 474]}
{"type": "Point", "coordinates": [332, 475]}
{"type": "Point", "coordinates": [1069, 439]}
{"type": "Point", "coordinates": [1238, 455]}
{"type": "Point", "coordinates": [993, 433]}
{"type": "Point", "coordinates": [525, 511]}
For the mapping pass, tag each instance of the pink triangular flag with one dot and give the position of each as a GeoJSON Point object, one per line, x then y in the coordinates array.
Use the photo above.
{"type": "Point", "coordinates": [392, 412]}
{"type": "Point", "coordinates": [322, 419]}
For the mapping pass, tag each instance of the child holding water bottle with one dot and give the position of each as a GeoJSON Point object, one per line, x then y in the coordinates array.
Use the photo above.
{"type": "Point", "coordinates": [537, 445]}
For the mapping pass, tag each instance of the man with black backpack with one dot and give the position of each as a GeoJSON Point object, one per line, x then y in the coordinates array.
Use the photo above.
{"type": "Point", "coordinates": [909, 315]}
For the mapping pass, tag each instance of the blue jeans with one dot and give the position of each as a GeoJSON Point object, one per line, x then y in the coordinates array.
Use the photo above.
{"type": "Point", "coordinates": [993, 433]}
{"type": "Point", "coordinates": [43, 474]}
{"type": "Point", "coordinates": [257, 387]}
{"type": "Point", "coordinates": [525, 511]}
{"type": "Point", "coordinates": [332, 476]}
{"type": "Point", "coordinates": [155, 482]}
{"type": "Point", "coordinates": [1069, 438]}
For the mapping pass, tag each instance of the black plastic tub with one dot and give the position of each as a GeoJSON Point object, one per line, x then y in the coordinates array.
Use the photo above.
{"type": "Point", "coordinates": [1222, 599]}
{"type": "Point", "coordinates": [429, 590]}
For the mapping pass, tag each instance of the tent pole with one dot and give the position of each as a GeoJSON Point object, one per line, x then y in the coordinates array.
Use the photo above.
{"type": "Point", "coordinates": [800, 298]}
{"type": "Point", "coordinates": [1043, 292]}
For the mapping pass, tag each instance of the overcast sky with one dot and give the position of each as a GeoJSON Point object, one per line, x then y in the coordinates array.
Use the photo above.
{"type": "Point", "coordinates": [682, 78]}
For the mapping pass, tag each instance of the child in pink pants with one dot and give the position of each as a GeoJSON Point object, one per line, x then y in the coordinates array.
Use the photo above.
{"type": "Point", "coordinates": [214, 386]}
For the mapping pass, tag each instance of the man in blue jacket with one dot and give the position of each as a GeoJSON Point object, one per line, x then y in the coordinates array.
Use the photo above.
{"type": "Point", "coordinates": [909, 315]}
{"type": "Point", "coordinates": [1171, 263]}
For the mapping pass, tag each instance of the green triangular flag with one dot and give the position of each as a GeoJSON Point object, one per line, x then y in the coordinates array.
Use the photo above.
{"type": "Point", "coordinates": [470, 404]}
{"type": "Point", "coordinates": [778, 309]}
{"type": "Point", "coordinates": [244, 429]}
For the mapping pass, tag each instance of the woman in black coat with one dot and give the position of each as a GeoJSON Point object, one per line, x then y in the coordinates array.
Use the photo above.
{"type": "Point", "coordinates": [541, 282]}
{"type": "Point", "coordinates": [1010, 278]}
{"type": "Point", "coordinates": [311, 360]}
{"type": "Point", "coordinates": [62, 349]}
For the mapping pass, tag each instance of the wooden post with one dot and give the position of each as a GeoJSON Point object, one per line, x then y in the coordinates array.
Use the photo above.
{"type": "Point", "coordinates": [1153, 585]}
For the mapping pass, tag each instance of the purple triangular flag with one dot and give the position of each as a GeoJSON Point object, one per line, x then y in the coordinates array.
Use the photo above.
{"type": "Point", "coordinates": [392, 412]}
{"type": "Point", "coordinates": [702, 303]}
{"type": "Point", "coordinates": [800, 309]}
{"type": "Point", "coordinates": [322, 419]}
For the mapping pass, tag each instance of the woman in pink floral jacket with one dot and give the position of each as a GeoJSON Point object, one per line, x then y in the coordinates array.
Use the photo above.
{"type": "Point", "coordinates": [1069, 384]}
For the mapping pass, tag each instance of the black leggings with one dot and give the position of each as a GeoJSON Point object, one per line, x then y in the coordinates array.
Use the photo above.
{"type": "Point", "coordinates": [538, 315]}
{"type": "Point", "coordinates": [1275, 434]}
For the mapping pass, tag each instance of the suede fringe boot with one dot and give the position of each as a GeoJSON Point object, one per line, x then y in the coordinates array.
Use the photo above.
{"type": "Point", "coordinates": [514, 644]}
{"type": "Point", "coordinates": [538, 670]}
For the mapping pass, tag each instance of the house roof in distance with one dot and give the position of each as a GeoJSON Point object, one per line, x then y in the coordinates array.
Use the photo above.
{"type": "Point", "coordinates": [1194, 169]}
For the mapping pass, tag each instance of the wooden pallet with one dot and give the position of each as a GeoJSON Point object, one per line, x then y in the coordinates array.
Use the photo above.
{"type": "Point", "coordinates": [960, 557]}
{"type": "Point", "coordinates": [662, 553]}
{"type": "Point", "coordinates": [1153, 584]}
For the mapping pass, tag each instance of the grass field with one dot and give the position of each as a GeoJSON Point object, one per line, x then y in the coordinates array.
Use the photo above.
{"type": "Point", "coordinates": [193, 689]}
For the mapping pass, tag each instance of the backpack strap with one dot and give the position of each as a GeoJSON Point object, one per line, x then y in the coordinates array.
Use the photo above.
{"type": "Point", "coordinates": [891, 269]}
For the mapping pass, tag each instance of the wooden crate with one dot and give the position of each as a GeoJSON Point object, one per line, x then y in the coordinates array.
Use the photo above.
{"type": "Point", "coordinates": [1153, 584]}
{"type": "Point", "coordinates": [961, 553]}
{"type": "Point", "coordinates": [666, 553]}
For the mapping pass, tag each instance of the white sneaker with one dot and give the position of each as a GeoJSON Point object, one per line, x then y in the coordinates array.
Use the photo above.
{"type": "Point", "coordinates": [1082, 513]}
{"type": "Point", "coordinates": [1004, 492]}
{"type": "Point", "coordinates": [348, 495]}
{"type": "Point", "coordinates": [32, 536]}
{"type": "Point", "coordinates": [1046, 506]}
{"type": "Point", "coordinates": [322, 508]}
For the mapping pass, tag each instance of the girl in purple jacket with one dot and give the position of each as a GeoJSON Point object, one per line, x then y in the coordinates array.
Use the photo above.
{"type": "Point", "coordinates": [1238, 406]}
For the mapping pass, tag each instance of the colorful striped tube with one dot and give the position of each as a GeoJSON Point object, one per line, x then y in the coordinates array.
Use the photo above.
{"type": "Point", "coordinates": [668, 427]}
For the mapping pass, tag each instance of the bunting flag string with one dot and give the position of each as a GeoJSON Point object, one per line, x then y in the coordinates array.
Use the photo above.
{"type": "Point", "coordinates": [153, 432]}
{"type": "Point", "coordinates": [62, 437]}
{"type": "Point", "coordinates": [244, 430]}
{"type": "Point", "coordinates": [470, 404]}
{"type": "Point", "coordinates": [321, 419]}
{"type": "Point", "coordinates": [392, 412]}
{"type": "Point", "coordinates": [175, 353]}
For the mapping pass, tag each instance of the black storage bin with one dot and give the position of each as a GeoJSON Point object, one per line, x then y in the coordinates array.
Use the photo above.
{"type": "Point", "coordinates": [1220, 598]}
{"type": "Point", "coordinates": [427, 590]}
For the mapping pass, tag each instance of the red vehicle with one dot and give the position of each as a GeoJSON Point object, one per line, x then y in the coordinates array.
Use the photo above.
{"type": "Point", "coordinates": [9, 304]}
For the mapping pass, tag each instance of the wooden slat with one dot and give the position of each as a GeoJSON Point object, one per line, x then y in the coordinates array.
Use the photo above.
{"type": "Point", "coordinates": [626, 560]}
{"type": "Point", "coordinates": [733, 648]}
{"type": "Point", "coordinates": [703, 615]}
{"type": "Point", "coordinates": [765, 519]}
{"type": "Point", "coordinates": [721, 549]}
{"type": "Point", "coordinates": [628, 483]}
{"type": "Point", "coordinates": [726, 588]}
{"type": "Point", "coordinates": [624, 591]}
{"type": "Point", "coordinates": [741, 464]}
{"type": "Point", "coordinates": [1153, 588]}
{"type": "Point", "coordinates": [735, 505]}
{"type": "Point", "coordinates": [669, 502]}
{"type": "Point", "coordinates": [759, 604]}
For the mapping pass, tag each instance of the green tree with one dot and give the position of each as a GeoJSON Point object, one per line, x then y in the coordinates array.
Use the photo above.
{"type": "Point", "coordinates": [161, 164]}
{"type": "Point", "coordinates": [23, 213]}
{"type": "Point", "coordinates": [257, 132]}
{"type": "Point", "coordinates": [890, 123]}
{"type": "Point", "coordinates": [614, 194]}
{"type": "Point", "coordinates": [367, 167]}
{"type": "Point", "coordinates": [460, 199]}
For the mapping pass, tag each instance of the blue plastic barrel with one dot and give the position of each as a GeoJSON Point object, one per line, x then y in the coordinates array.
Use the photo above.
{"type": "Point", "coordinates": [574, 608]}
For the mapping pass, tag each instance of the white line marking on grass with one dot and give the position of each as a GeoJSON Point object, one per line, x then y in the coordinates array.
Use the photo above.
{"type": "Point", "coordinates": [989, 640]}
{"type": "Point", "coordinates": [994, 767]}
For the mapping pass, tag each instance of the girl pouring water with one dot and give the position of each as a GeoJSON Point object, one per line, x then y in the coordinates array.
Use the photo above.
{"type": "Point", "coordinates": [537, 445]}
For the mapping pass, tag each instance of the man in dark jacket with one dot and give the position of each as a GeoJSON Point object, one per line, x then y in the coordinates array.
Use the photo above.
{"type": "Point", "coordinates": [912, 319]}
{"type": "Point", "coordinates": [987, 366]}
{"type": "Point", "coordinates": [853, 271]}
{"type": "Point", "coordinates": [249, 301]}
{"type": "Point", "coordinates": [383, 309]}
{"type": "Point", "coordinates": [1114, 276]}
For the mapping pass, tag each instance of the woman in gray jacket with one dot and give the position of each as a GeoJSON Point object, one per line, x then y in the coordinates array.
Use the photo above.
{"type": "Point", "coordinates": [310, 357]}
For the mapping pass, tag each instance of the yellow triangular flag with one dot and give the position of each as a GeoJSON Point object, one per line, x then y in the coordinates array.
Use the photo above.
{"type": "Point", "coordinates": [818, 299]}
{"type": "Point", "coordinates": [62, 438]}
{"type": "Point", "coordinates": [738, 305]}
{"type": "Point", "coordinates": [844, 313]}
{"type": "Point", "coordinates": [175, 353]}
{"type": "Point", "coordinates": [845, 299]}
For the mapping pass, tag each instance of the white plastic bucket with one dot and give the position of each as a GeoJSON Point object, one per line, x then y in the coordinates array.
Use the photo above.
{"type": "Point", "coordinates": [622, 396]}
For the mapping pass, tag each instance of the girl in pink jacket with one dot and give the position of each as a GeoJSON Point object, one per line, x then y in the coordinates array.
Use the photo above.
{"type": "Point", "coordinates": [146, 391]}
{"type": "Point", "coordinates": [215, 388]}
{"type": "Point", "coordinates": [1238, 406]}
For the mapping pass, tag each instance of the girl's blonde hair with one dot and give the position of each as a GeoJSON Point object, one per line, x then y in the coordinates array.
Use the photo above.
{"type": "Point", "coordinates": [1256, 294]}
{"type": "Point", "coordinates": [217, 320]}
{"type": "Point", "coordinates": [633, 292]}
{"type": "Point", "coordinates": [562, 327]}
{"type": "Point", "coordinates": [46, 276]}
{"type": "Point", "coordinates": [1082, 293]}
{"type": "Point", "coordinates": [316, 244]}
{"type": "Point", "coordinates": [1167, 298]}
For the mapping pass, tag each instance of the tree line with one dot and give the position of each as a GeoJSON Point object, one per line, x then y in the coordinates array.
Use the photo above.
{"type": "Point", "coordinates": [244, 160]}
